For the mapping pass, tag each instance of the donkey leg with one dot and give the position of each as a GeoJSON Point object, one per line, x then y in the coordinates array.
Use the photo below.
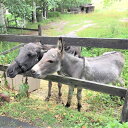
{"type": "Point", "coordinates": [121, 81]}
{"type": "Point", "coordinates": [70, 94]}
{"type": "Point", "coordinates": [59, 92]}
{"type": "Point", "coordinates": [79, 97]}
{"type": "Point", "coordinates": [59, 87]}
{"type": "Point", "coordinates": [122, 84]}
{"type": "Point", "coordinates": [49, 90]}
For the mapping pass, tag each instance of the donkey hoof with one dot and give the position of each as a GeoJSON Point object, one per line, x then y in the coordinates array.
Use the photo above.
{"type": "Point", "coordinates": [79, 107]}
{"type": "Point", "coordinates": [67, 105]}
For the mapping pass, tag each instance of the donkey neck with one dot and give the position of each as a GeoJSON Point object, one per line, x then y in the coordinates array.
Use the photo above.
{"type": "Point", "coordinates": [71, 65]}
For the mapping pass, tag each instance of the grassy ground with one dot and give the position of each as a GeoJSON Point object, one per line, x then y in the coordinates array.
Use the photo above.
{"type": "Point", "coordinates": [99, 110]}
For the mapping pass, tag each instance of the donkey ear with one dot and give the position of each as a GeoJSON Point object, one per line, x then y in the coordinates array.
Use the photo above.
{"type": "Point", "coordinates": [43, 51]}
{"type": "Point", "coordinates": [60, 45]}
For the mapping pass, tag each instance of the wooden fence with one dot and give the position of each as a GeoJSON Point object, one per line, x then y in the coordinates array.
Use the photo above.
{"type": "Point", "coordinates": [39, 29]}
{"type": "Point", "coordinates": [86, 42]}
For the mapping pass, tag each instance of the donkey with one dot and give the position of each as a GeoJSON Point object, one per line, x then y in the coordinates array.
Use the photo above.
{"type": "Point", "coordinates": [29, 55]}
{"type": "Point", "coordinates": [104, 69]}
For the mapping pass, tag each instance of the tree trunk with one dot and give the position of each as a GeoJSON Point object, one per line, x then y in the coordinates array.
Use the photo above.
{"type": "Point", "coordinates": [2, 19]}
{"type": "Point", "coordinates": [44, 11]}
{"type": "Point", "coordinates": [34, 19]}
{"type": "Point", "coordinates": [61, 8]}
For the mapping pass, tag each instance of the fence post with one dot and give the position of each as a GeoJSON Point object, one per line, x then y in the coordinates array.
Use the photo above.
{"type": "Point", "coordinates": [40, 33]}
{"type": "Point", "coordinates": [124, 114]}
{"type": "Point", "coordinates": [7, 22]}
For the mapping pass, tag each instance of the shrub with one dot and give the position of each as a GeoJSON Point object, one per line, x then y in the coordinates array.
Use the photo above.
{"type": "Point", "coordinates": [53, 14]}
{"type": "Point", "coordinates": [116, 124]}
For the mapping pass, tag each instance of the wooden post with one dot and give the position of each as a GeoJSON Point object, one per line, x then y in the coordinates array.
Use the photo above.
{"type": "Point", "coordinates": [7, 22]}
{"type": "Point", "coordinates": [124, 114]}
{"type": "Point", "coordinates": [40, 33]}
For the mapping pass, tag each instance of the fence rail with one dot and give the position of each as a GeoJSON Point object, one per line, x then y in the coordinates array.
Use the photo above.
{"type": "Point", "coordinates": [85, 42]}
{"type": "Point", "coordinates": [109, 89]}
{"type": "Point", "coordinates": [39, 29]}
{"type": "Point", "coordinates": [30, 29]}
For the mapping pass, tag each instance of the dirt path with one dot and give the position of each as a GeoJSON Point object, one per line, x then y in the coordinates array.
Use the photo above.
{"type": "Point", "coordinates": [59, 26]}
{"type": "Point", "coordinates": [74, 33]}
{"type": "Point", "coordinates": [124, 20]}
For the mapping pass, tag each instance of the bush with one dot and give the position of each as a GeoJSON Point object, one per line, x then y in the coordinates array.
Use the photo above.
{"type": "Point", "coordinates": [116, 124]}
{"type": "Point", "coordinates": [53, 14]}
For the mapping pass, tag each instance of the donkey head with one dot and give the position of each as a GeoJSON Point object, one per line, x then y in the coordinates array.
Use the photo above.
{"type": "Point", "coordinates": [50, 62]}
{"type": "Point", "coordinates": [28, 56]}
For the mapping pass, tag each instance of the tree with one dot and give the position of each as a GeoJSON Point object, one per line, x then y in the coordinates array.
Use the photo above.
{"type": "Point", "coordinates": [19, 8]}
{"type": "Point", "coordinates": [34, 18]}
{"type": "Point", "coordinates": [2, 18]}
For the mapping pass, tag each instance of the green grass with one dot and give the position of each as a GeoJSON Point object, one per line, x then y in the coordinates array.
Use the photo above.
{"type": "Point", "coordinates": [45, 114]}
{"type": "Point", "coordinates": [108, 27]}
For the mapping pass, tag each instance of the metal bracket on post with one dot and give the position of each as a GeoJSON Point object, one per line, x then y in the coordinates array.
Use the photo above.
{"type": "Point", "coordinates": [124, 114]}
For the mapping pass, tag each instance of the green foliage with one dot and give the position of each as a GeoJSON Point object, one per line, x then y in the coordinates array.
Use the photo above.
{"type": "Point", "coordinates": [116, 124]}
{"type": "Point", "coordinates": [6, 59]}
{"type": "Point", "coordinates": [12, 19]}
{"type": "Point", "coordinates": [23, 91]}
{"type": "Point", "coordinates": [52, 3]}
{"type": "Point", "coordinates": [53, 14]}
{"type": "Point", "coordinates": [107, 2]}
{"type": "Point", "coordinates": [23, 88]}
{"type": "Point", "coordinates": [19, 8]}
{"type": "Point", "coordinates": [73, 3]}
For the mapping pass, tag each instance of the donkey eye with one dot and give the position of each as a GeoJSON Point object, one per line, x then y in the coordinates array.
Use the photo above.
{"type": "Point", "coordinates": [30, 54]}
{"type": "Point", "coordinates": [50, 61]}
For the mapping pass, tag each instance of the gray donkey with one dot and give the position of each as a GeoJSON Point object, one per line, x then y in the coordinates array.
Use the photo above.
{"type": "Point", "coordinates": [104, 69]}
{"type": "Point", "coordinates": [31, 54]}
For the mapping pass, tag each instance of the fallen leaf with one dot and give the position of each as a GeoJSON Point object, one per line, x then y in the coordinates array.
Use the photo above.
{"type": "Point", "coordinates": [83, 127]}
{"type": "Point", "coordinates": [49, 127]}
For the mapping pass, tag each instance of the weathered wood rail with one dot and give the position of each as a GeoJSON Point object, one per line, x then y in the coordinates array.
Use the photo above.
{"type": "Point", "coordinates": [30, 29]}
{"type": "Point", "coordinates": [109, 89]}
{"type": "Point", "coordinates": [39, 29]}
{"type": "Point", "coordinates": [86, 42]}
